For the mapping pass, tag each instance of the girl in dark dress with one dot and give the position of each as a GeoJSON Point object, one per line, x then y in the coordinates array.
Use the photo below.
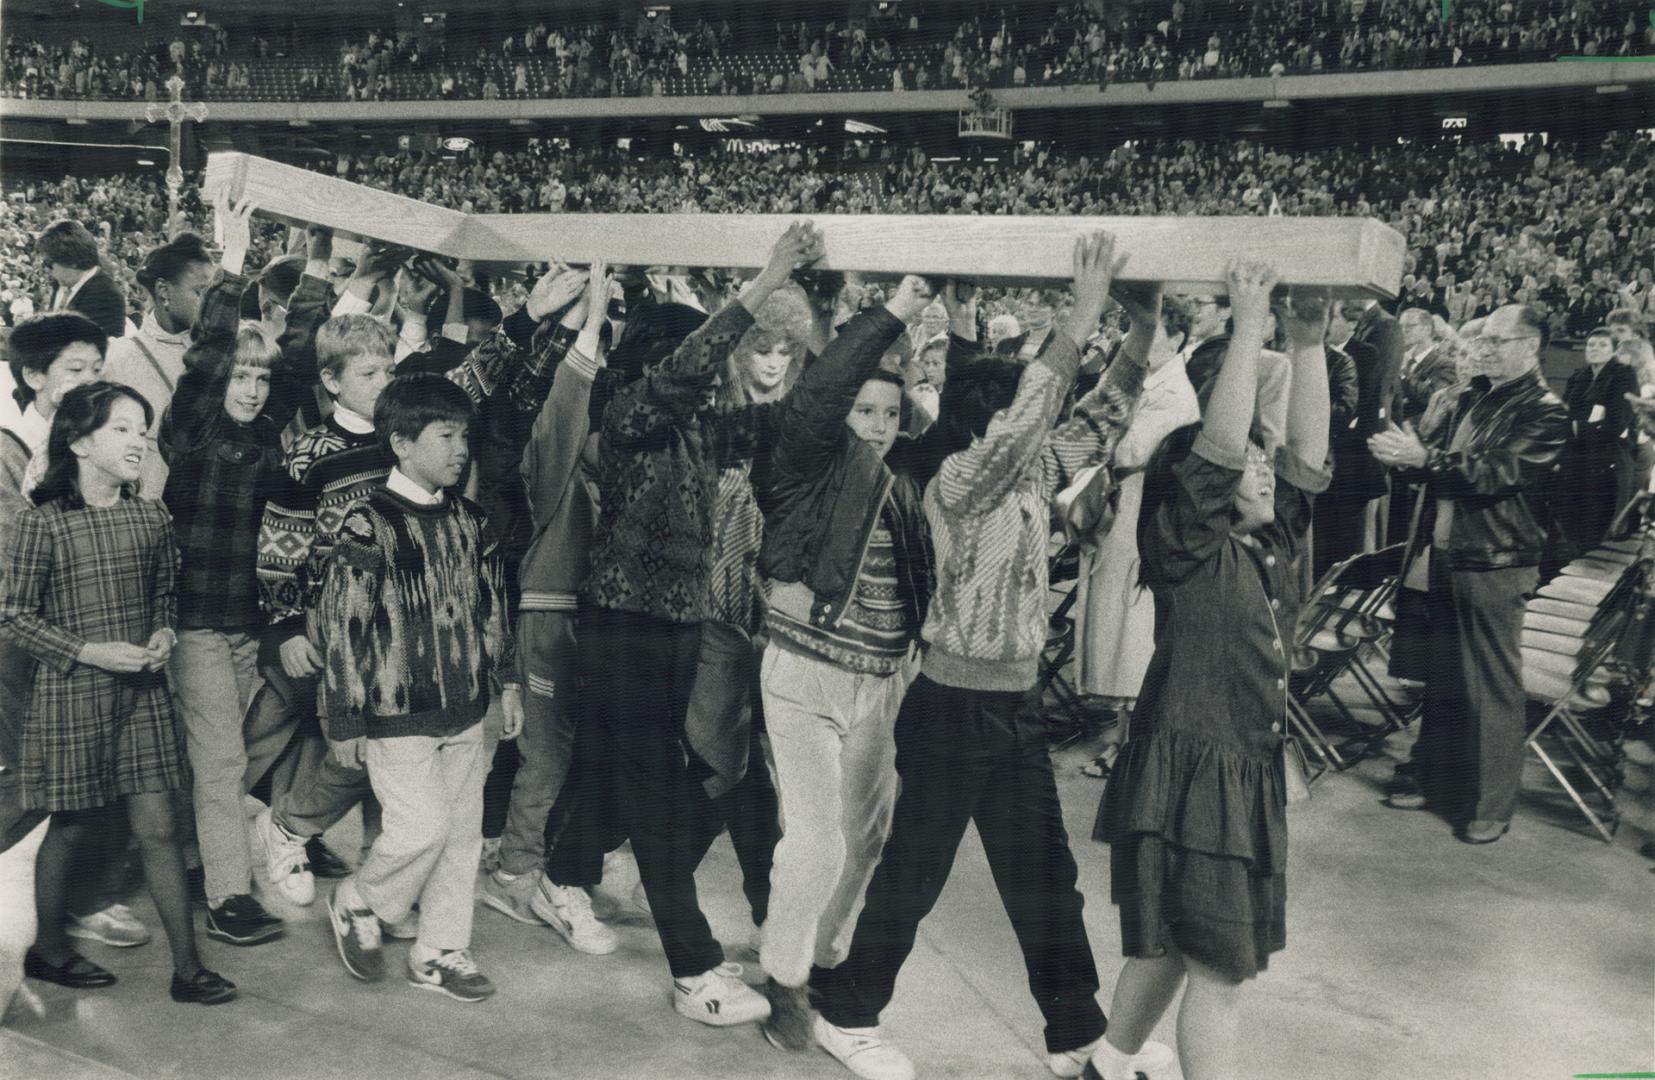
{"type": "Point", "coordinates": [1195, 812]}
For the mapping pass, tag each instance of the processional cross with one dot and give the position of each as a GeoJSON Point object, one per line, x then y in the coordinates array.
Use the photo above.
{"type": "Point", "coordinates": [176, 112]}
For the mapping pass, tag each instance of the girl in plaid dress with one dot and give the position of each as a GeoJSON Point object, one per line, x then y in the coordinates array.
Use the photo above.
{"type": "Point", "coordinates": [88, 574]}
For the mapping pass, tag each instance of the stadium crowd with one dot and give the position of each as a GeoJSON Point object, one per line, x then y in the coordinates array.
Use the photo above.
{"type": "Point", "coordinates": [1020, 45]}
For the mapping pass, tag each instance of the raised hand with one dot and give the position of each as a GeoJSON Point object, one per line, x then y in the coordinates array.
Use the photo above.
{"type": "Point", "coordinates": [233, 229]}
{"type": "Point", "coordinates": [1094, 266]}
{"type": "Point", "coordinates": [380, 259]}
{"type": "Point", "coordinates": [318, 246]}
{"type": "Point", "coordinates": [1249, 283]}
{"type": "Point", "coordinates": [800, 245]}
{"type": "Point", "coordinates": [600, 283]}
{"type": "Point", "coordinates": [554, 292]}
{"type": "Point", "coordinates": [415, 292]}
{"type": "Point", "coordinates": [913, 295]}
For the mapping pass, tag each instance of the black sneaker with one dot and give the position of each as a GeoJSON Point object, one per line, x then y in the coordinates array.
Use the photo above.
{"type": "Point", "coordinates": [203, 988]}
{"type": "Point", "coordinates": [242, 920]}
{"type": "Point", "coordinates": [323, 862]}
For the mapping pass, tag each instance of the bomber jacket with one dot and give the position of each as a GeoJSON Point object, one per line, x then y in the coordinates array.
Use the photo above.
{"type": "Point", "coordinates": [1499, 476]}
{"type": "Point", "coordinates": [827, 488]}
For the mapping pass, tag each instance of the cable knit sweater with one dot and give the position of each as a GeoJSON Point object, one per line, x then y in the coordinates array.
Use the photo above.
{"type": "Point", "coordinates": [414, 616]}
{"type": "Point", "coordinates": [990, 519]}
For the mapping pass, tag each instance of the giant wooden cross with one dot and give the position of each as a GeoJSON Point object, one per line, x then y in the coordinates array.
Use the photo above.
{"type": "Point", "coordinates": [1352, 256]}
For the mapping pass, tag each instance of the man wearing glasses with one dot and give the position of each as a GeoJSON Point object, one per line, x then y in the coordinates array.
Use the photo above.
{"type": "Point", "coordinates": [1482, 533]}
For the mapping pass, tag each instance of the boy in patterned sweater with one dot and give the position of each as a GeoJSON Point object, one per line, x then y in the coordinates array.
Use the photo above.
{"type": "Point", "coordinates": [329, 467]}
{"type": "Point", "coordinates": [413, 616]}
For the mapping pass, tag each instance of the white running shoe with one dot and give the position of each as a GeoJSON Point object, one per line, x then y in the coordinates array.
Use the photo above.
{"type": "Point", "coordinates": [863, 1052]}
{"type": "Point", "coordinates": [285, 861]}
{"type": "Point", "coordinates": [115, 925]}
{"type": "Point", "coordinates": [1153, 1060]}
{"type": "Point", "coordinates": [718, 998]}
{"type": "Point", "coordinates": [568, 910]}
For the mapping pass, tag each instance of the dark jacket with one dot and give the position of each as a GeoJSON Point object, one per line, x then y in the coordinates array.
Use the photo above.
{"type": "Point", "coordinates": [1419, 380]}
{"type": "Point", "coordinates": [1500, 476]}
{"type": "Point", "coordinates": [1357, 475]}
{"type": "Point", "coordinates": [220, 475]}
{"type": "Point", "coordinates": [101, 301]}
{"type": "Point", "coordinates": [827, 488]}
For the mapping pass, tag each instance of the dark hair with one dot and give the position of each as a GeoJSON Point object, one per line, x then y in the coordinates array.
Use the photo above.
{"type": "Point", "coordinates": [82, 411]}
{"type": "Point", "coordinates": [411, 403]}
{"type": "Point", "coordinates": [481, 306]}
{"type": "Point", "coordinates": [40, 339]}
{"type": "Point", "coordinates": [1598, 331]}
{"type": "Point", "coordinates": [975, 395]}
{"type": "Point", "coordinates": [281, 276]}
{"type": "Point", "coordinates": [171, 260]}
{"type": "Point", "coordinates": [653, 332]}
{"type": "Point", "coordinates": [1531, 317]}
{"type": "Point", "coordinates": [1177, 316]}
{"type": "Point", "coordinates": [67, 243]}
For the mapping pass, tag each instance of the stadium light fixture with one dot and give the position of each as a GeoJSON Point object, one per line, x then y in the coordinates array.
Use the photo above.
{"type": "Point", "coordinates": [1613, 88]}
{"type": "Point", "coordinates": [145, 161]}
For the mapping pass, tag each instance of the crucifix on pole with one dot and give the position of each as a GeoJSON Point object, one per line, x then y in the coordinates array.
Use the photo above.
{"type": "Point", "coordinates": [175, 112]}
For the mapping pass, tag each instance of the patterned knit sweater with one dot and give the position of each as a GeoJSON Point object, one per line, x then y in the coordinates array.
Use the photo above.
{"type": "Point", "coordinates": [414, 619]}
{"type": "Point", "coordinates": [328, 469]}
{"type": "Point", "coordinates": [988, 507]}
{"type": "Point", "coordinates": [659, 454]}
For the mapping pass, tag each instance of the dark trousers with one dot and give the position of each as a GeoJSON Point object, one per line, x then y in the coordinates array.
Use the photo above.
{"type": "Point", "coordinates": [1339, 530]}
{"type": "Point", "coordinates": [636, 673]}
{"type": "Point", "coordinates": [587, 820]}
{"type": "Point", "coordinates": [1469, 754]}
{"type": "Point", "coordinates": [965, 756]}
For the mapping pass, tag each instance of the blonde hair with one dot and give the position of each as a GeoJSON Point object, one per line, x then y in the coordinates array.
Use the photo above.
{"type": "Point", "coordinates": [254, 347]}
{"type": "Point", "coordinates": [345, 337]}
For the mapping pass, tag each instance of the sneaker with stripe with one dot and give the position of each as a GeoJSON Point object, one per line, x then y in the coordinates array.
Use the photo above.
{"type": "Point", "coordinates": [450, 972]}
{"type": "Point", "coordinates": [718, 998]}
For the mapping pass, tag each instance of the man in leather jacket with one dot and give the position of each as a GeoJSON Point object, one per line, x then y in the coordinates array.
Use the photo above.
{"type": "Point", "coordinates": [1484, 529]}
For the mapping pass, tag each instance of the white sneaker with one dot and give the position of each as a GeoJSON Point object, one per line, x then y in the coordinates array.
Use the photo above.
{"type": "Point", "coordinates": [115, 925]}
{"type": "Point", "coordinates": [863, 1052]}
{"type": "Point", "coordinates": [1152, 1060]}
{"type": "Point", "coordinates": [718, 998]}
{"type": "Point", "coordinates": [285, 862]}
{"type": "Point", "coordinates": [568, 910]}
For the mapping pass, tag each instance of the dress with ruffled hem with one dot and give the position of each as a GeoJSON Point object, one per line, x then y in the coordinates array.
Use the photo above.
{"type": "Point", "coordinates": [1198, 851]}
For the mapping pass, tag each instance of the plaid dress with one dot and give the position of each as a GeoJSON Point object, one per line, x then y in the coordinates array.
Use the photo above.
{"type": "Point", "coordinates": [72, 574]}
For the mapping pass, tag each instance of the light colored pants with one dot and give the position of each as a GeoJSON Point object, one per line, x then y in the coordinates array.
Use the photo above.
{"type": "Point", "coordinates": [547, 743]}
{"type": "Point", "coordinates": [17, 911]}
{"type": "Point", "coordinates": [431, 790]}
{"type": "Point", "coordinates": [834, 759]}
{"type": "Point", "coordinates": [215, 677]}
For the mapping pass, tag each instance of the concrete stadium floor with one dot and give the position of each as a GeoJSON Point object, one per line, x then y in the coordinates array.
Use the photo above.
{"type": "Point", "coordinates": [1410, 956]}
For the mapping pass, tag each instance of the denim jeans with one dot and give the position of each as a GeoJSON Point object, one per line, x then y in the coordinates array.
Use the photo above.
{"type": "Point", "coordinates": [214, 680]}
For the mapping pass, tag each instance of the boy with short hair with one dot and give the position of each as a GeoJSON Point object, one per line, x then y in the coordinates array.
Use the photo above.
{"type": "Point", "coordinates": [413, 614]}
{"type": "Point", "coordinates": [329, 468]}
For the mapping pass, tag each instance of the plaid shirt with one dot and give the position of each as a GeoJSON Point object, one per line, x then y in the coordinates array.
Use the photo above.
{"type": "Point", "coordinates": [221, 474]}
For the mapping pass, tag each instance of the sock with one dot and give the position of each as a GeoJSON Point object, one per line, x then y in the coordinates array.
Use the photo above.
{"type": "Point", "coordinates": [1111, 1064]}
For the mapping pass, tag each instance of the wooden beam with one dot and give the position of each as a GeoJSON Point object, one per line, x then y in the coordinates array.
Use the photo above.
{"type": "Point", "coordinates": [1353, 256]}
